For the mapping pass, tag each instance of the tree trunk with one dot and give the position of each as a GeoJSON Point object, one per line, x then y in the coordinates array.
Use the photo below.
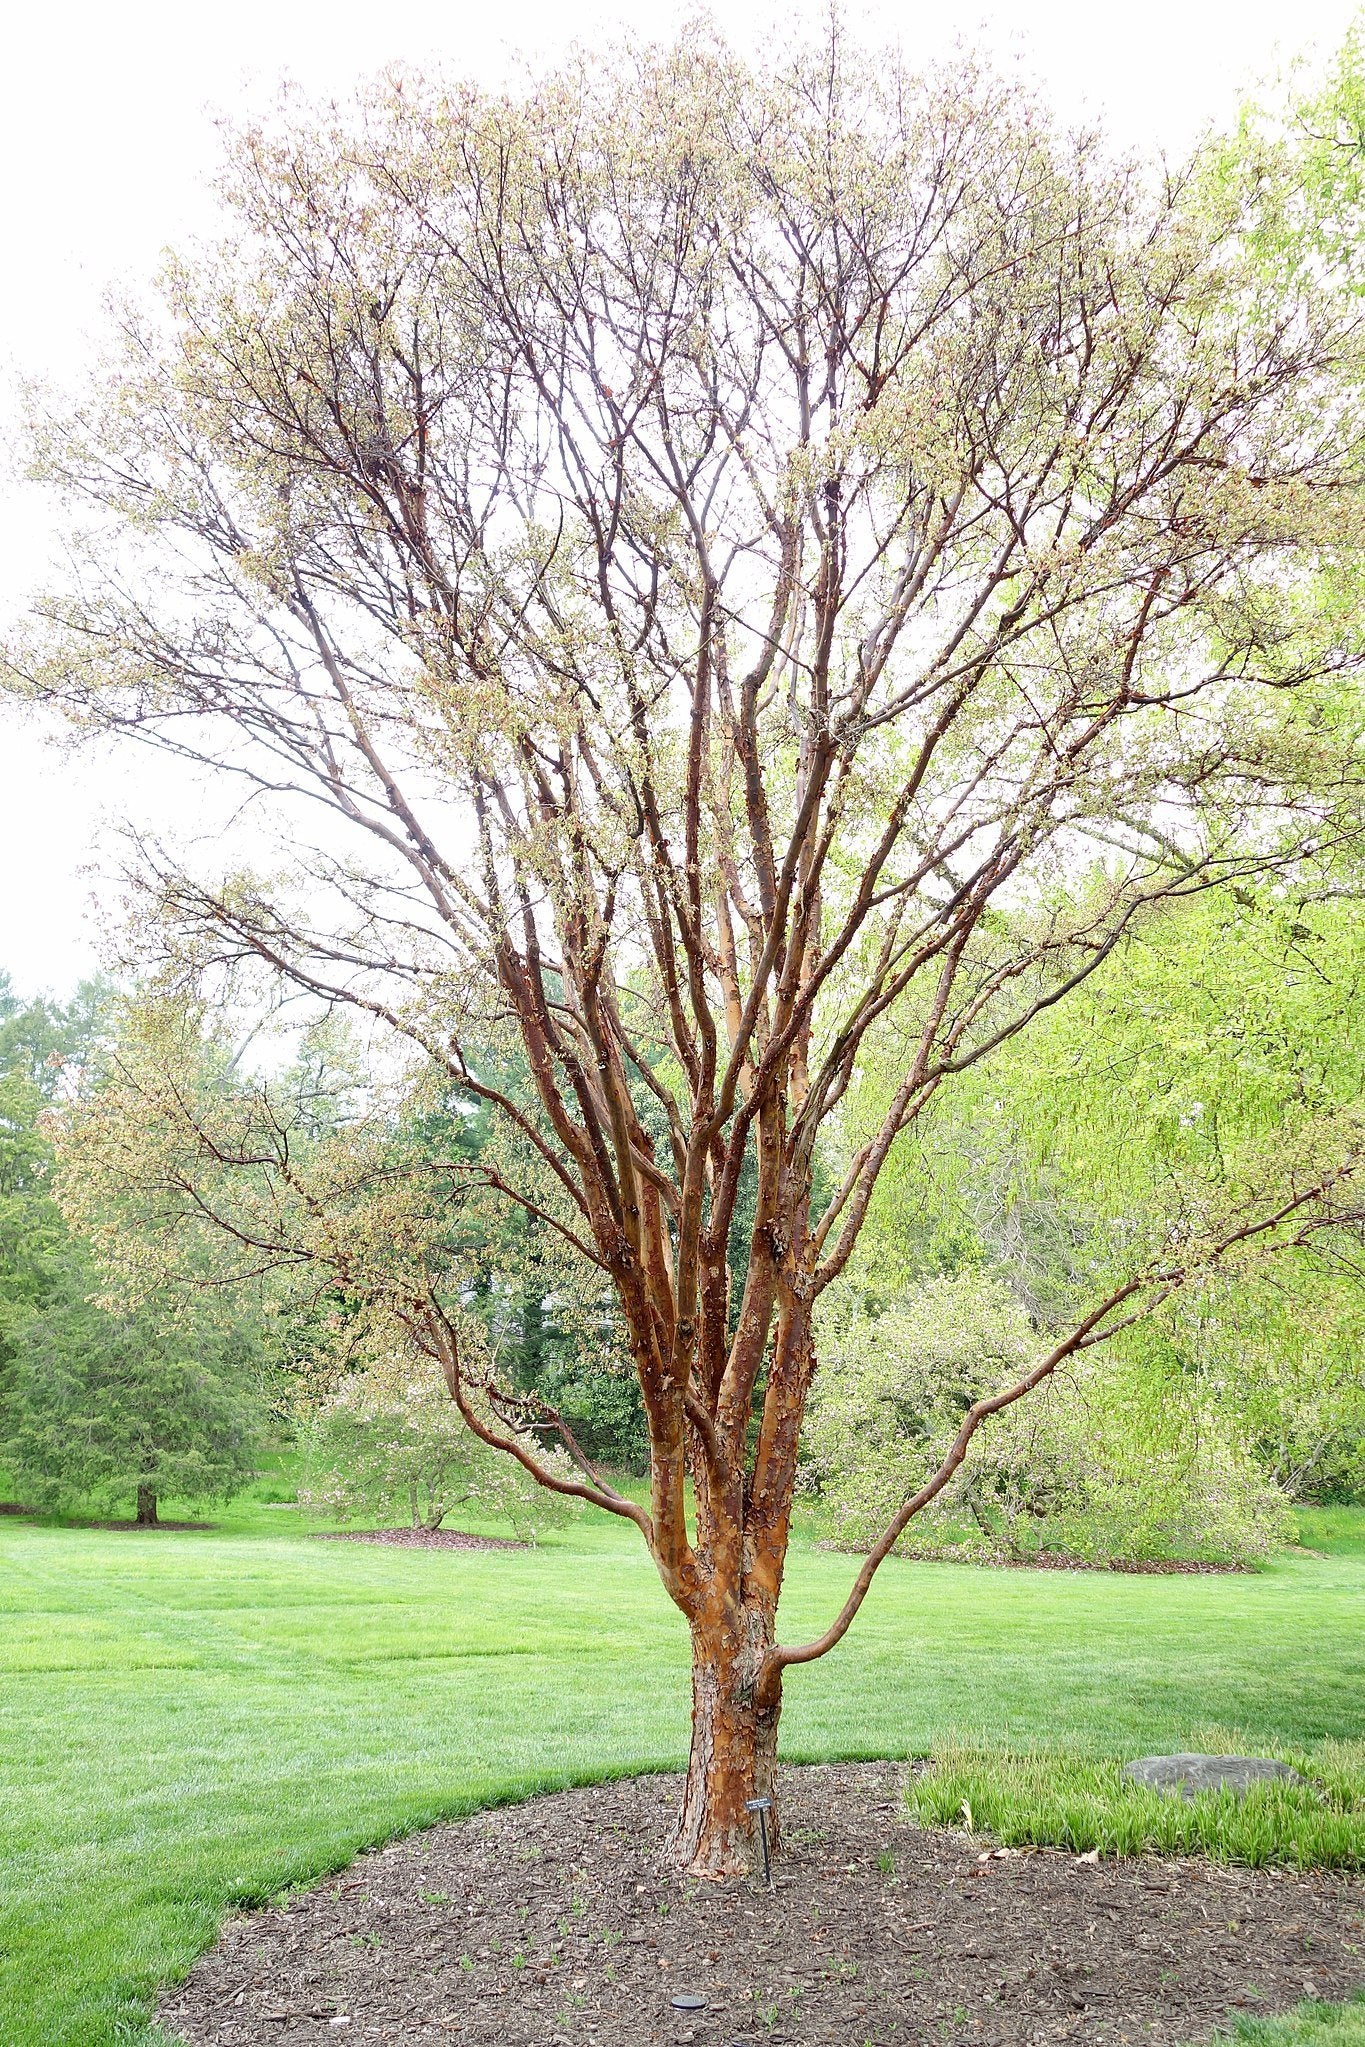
{"type": "Point", "coordinates": [146, 1507]}
{"type": "Point", "coordinates": [733, 1756]}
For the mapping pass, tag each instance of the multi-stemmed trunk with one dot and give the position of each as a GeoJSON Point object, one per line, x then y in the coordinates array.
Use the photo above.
{"type": "Point", "coordinates": [733, 1755]}
{"type": "Point", "coordinates": [146, 1507]}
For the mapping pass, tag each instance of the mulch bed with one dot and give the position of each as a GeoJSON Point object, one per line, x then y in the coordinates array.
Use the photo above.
{"type": "Point", "coordinates": [555, 1924]}
{"type": "Point", "coordinates": [1048, 1560]}
{"type": "Point", "coordinates": [1055, 1560]}
{"type": "Point", "coordinates": [421, 1538]}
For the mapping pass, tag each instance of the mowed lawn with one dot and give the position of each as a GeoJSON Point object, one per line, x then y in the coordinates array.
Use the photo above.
{"type": "Point", "coordinates": [192, 1721]}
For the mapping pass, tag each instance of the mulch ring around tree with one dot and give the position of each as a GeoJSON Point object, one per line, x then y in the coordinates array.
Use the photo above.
{"type": "Point", "coordinates": [1062, 1560]}
{"type": "Point", "coordinates": [556, 1924]}
{"type": "Point", "coordinates": [422, 1538]}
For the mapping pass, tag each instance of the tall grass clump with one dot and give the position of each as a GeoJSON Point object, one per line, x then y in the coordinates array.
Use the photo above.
{"type": "Point", "coordinates": [1311, 2024]}
{"type": "Point", "coordinates": [1037, 1799]}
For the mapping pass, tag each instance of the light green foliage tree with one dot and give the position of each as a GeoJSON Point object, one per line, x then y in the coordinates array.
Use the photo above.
{"type": "Point", "coordinates": [1285, 1354]}
{"type": "Point", "coordinates": [389, 1437]}
{"type": "Point", "coordinates": [1101, 1465]}
{"type": "Point", "coordinates": [1221, 1027]}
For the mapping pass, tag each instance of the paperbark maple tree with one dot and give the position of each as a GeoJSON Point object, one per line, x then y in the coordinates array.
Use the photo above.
{"type": "Point", "coordinates": [750, 562]}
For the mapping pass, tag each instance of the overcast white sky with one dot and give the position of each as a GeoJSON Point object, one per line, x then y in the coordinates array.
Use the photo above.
{"type": "Point", "coordinates": [107, 137]}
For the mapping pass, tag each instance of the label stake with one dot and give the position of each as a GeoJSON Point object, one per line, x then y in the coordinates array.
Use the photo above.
{"type": "Point", "coordinates": [762, 1806]}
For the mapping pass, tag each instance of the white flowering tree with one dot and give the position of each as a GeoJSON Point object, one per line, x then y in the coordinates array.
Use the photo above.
{"type": "Point", "coordinates": [748, 567]}
{"type": "Point", "coordinates": [1101, 1464]}
{"type": "Point", "coordinates": [389, 1437]}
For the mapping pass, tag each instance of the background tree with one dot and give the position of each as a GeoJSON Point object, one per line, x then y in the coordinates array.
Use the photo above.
{"type": "Point", "coordinates": [1110, 1463]}
{"type": "Point", "coordinates": [726, 550]}
{"type": "Point", "coordinates": [112, 1405]}
{"type": "Point", "coordinates": [557, 1337]}
{"type": "Point", "coordinates": [43, 1049]}
{"type": "Point", "coordinates": [121, 1410]}
{"type": "Point", "coordinates": [1222, 1020]}
{"type": "Point", "coordinates": [389, 1437]}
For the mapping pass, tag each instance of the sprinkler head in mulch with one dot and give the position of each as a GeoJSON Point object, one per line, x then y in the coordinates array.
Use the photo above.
{"type": "Point", "coordinates": [688, 2000]}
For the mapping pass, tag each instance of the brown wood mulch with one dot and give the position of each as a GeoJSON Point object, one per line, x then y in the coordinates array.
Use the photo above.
{"type": "Point", "coordinates": [421, 1538]}
{"type": "Point", "coordinates": [1061, 1560]}
{"type": "Point", "coordinates": [556, 1924]}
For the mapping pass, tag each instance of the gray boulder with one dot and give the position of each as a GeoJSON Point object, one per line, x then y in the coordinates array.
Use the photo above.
{"type": "Point", "coordinates": [1191, 1774]}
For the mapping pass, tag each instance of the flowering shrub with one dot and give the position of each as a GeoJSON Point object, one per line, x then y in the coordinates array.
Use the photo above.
{"type": "Point", "coordinates": [1100, 1463]}
{"type": "Point", "coordinates": [389, 1439]}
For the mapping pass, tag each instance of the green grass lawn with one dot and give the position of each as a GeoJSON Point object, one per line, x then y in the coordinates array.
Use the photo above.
{"type": "Point", "coordinates": [193, 1721]}
{"type": "Point", "coordinates": [1312, 2025]}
